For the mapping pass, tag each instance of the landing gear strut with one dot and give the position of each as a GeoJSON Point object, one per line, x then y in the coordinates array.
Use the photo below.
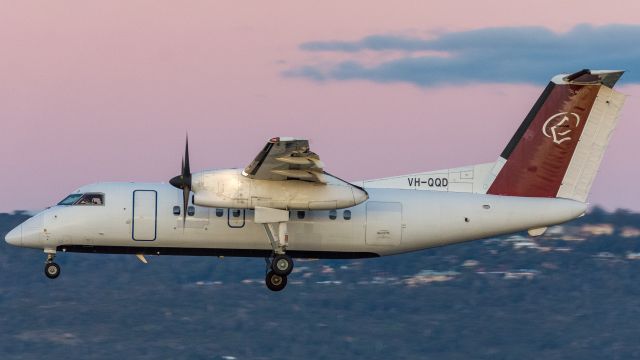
{"type": "Point", "coordinates": [280, 265]}
{"type": "Point", "coordinates": [51, 269]}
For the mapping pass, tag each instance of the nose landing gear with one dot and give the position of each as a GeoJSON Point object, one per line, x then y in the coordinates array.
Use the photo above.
{"type": "Point", "coordinates": [51, 269]}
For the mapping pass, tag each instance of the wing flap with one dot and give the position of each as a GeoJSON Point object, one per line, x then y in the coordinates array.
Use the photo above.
{"type": "Point", "coordinates": [285, 159]}
{"type": "Point", "coordinates": [302, 161]}
{"type": "Point", "coordinates": [302, 175]}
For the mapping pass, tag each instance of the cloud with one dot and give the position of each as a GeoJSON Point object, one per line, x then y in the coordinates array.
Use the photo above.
{"type": "Point", "coordinates": [497, 55]}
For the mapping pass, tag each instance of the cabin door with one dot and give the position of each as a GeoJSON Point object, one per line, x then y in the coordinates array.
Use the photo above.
{"type": "Point", "coordinates": [144, 222]}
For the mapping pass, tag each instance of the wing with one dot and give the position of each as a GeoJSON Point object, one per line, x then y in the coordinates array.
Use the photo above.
{"type": "Point", "coordinates": [286, 159]}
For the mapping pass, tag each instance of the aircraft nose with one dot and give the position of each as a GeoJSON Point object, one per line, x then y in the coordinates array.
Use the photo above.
{"type": "Point", "coordinates": [14, 237]}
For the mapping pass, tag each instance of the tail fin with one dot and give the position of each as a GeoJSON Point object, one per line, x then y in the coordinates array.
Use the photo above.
{"type": "Point", "coordinates": [558, 148]}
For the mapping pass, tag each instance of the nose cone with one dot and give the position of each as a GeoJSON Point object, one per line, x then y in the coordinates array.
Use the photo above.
{"type": "Point", "coordinates": [14, 237]}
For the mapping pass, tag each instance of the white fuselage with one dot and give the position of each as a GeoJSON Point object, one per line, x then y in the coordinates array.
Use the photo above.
{"type": "Point", "coordinates": [391, 221]}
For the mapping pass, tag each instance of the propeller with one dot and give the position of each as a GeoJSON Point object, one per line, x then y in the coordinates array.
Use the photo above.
{"type": "Point", "coordinates": [183, 181]}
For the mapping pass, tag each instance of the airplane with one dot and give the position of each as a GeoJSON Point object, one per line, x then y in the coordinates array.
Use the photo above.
{"type": "Point", "coordinates": [284, 205]}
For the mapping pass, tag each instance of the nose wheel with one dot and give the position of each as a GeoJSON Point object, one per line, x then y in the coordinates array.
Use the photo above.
{"type": "Point", "coordinates": [51, 269]}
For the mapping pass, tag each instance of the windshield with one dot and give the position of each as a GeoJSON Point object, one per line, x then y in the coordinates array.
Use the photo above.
{"type": "Point", "coordinates": [83, 199]}
{"type": "Point", "coordinates": [69, 200]}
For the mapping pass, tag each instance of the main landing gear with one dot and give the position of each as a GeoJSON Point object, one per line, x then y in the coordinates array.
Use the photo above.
{"type": "Point", "coordinates": [51, 269]}
{"type": "Point", "coordinates": [280, 265]}
{"type": "Point", "coordinates": [278, 268]}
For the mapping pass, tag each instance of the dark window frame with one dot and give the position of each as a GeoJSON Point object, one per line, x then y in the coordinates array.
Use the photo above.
{"type": "Point", "coordinates": [65, 202]}
{"type": "Point", "coordinates": [83, 196]}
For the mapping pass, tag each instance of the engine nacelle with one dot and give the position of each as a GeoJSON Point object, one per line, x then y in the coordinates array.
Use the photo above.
{"type": "Point", "coordinates": [230, 189]}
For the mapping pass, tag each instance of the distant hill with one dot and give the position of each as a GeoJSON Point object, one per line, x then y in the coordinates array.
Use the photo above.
{"type": "Point", "coordinates": [571, 294]}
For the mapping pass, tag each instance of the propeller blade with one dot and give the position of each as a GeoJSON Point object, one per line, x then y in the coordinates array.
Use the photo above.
{"type": "Point", "coordinates": [186, 169]}
{"type": "Point", "coordinates": [183, 181]}
{"type": "Point", "coordinates": [185, 204]}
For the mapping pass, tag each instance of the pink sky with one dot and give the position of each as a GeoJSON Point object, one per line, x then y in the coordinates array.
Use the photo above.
{"type": "Point", "coordinates": [105, 91]}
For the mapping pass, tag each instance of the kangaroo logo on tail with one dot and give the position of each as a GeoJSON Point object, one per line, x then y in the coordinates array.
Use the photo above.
{"type": "Point", "coordinates": [558, 126]}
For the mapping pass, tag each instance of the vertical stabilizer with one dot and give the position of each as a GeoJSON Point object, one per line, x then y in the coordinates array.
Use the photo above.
{"type": "Point", "coordinates": [558, 148]}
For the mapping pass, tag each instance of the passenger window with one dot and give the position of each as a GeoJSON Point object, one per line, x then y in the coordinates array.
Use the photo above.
{"type": "Point", "coordinates": [219, 212]}
{"type": "Point", "coordinates": [333, 214]}
{"type": "Point", "coordinates": [236, 213]}
{"type": "Point", "coordinates": [91, 199]}
{"type": "Point", "coordinates": [301, 215]}
{"type": "Point", "coordinates": [191, 210]}
{"type": "Point", "coordinates": [176, 210]}
{"type": "Point", "coordinates": [347, 214]}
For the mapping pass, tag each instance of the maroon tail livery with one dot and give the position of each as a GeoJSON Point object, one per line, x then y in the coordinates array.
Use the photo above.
{"type": "Point", "coordinates": [538, 156]}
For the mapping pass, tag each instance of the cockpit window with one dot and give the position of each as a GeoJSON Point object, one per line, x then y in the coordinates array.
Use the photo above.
{"type": "Point", "coordinates": [91, 199]}
{"type": "Point", "coordinates": [69, 200]}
